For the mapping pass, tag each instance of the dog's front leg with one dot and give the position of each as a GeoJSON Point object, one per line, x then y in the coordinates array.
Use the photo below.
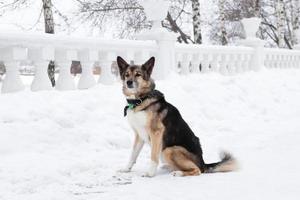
{"type": "Point", "coordinates": [137, 147]}
{"type": "Point", "coordinates": [156, 145]}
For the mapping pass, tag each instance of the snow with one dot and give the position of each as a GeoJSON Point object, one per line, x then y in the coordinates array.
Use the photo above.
{"type": "Point", "coordinates": [69, 145]}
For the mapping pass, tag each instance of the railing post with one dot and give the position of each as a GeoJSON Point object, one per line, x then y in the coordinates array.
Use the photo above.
{"type": "Point", "coordinates": [251, 26]}
{"type": "Point", "coordinates": [64, 59]}
{"type": "Point", "coordinates": [87, 59]}
{"type": "Point", "coordinates": [41, 58]}
{"type": "Point", "coordinates": [106, 60]}
{"type": "Point", "coordinates": [12, 57]}
{"type": "Point", "coordinates": [165, 61]}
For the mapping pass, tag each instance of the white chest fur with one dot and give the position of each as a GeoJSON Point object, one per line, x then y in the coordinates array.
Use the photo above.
{"type": "Point", "coordinates": [138, 121]}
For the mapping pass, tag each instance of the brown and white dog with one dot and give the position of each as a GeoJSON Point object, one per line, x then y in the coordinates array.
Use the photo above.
{"type": "Point", "coordinates": [158, 123]}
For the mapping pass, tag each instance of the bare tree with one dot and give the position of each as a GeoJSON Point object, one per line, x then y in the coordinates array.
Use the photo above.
{"type": "Point", "coordinates": [197, 21]}
{"type": "Point", "coordinates": [129, 15]}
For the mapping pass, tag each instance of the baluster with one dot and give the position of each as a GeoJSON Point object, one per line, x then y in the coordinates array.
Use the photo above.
{"type": "Point", "coordinates": [285, 61]}
{"type": "Point", "coordinates": [179, 59]}
{"type": "Point", "coordinates": [64, 60]}
{"type": "Point", "coordinates": [185, 64]}
{"type": "Point", "coordinates": [295, 62]}
{"type": "Point", "coordinates": [189, 59]}
{"type": "Point", "coordinates": [274, 61]}
{"type": "Point", "coordinates": [87, 60]}
{"type": "Point", "coordinates": [41, 58]}
{"type": "Point", "coordinates": [224, 64]}
{"type": "Point", "coordinates": [196, 63]}
{"type": "Point", "coordinates": [205, 64]}
{"type": "Point", "coordinates": [281, 61]}
{"type": "Point", "coordinates": [214, 62]}
{"type": "Point", "coordinates": [106, 60]}
{"type": "Point", "coordinates": [290, 65]}
{"type": "Point", "coordinates": [231, 64]}
{"type": "Point", "coordinates": [244, 60]}
{"type": "Point", "coordinates": [11, 58]}
{"type": "Point", "coordinates": [239, 63]}
{"type": "Point", "coordinates": [248, 62]}
{"type": "Point", "coordinates": [267, 61]}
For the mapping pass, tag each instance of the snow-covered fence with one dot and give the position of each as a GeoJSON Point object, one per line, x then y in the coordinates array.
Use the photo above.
{"type": "Point", "coordinates": [223, 59]}
{"type": "Point", "coordinates": [40, 49]}
{"type": "Point", "coordinates": [281, 58]}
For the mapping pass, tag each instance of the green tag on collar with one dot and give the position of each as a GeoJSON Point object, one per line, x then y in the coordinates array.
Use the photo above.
{"type": "Point", "coordinates": [131, 106]}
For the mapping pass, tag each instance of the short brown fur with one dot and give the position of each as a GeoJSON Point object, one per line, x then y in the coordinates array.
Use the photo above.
{"type": "Point", "coordinates": [180, 159]}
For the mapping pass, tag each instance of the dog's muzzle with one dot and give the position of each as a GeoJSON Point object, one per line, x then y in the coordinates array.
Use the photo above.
{"type": "Point", "coordinates": [129, 84]}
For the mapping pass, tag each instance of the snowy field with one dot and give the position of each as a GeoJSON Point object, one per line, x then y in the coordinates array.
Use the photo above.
{"type": "Point", "coordinates": [69, 145]}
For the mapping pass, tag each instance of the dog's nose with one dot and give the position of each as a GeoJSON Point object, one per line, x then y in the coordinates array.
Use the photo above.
{"type": "Point", "coordinates": [130, 84]}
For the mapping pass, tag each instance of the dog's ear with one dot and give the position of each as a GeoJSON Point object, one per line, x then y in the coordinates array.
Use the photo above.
{"type": "Point", "coordinates": [148, 66]}
{"type": "Point", "coordinates": [122, 64]}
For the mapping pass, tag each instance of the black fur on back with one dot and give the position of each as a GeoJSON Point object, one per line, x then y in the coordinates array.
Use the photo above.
{"type": "Point", "coordinates": [178, 133]}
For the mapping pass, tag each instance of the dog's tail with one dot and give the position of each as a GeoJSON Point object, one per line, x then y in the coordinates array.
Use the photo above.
{"type": "Point", "coordinates": [228, 163]}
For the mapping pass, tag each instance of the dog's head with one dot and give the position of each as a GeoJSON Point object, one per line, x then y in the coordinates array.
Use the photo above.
{"type": "Point", "coordinates": [136, 78]}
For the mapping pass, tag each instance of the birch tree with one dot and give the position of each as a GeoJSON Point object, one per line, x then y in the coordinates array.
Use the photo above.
{"type": "Point", "coordinates": [295, 14]}
{"type": "Point", "coordinates": [197, 21]}
{"type": "Point", "coordinates": [280, 23]}
{"type": "Point", "coordinates": [224, 40]}
{"type": "Point", "coordinates": [48, 16]}
{"type": "Point", "coordinates": [49, 28]}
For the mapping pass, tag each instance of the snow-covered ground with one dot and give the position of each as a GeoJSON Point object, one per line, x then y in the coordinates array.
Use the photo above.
{"type": "Point", "coordinates": [69, 145]}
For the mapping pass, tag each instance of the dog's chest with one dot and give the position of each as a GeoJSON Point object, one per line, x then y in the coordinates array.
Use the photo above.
{"type": "Point", "coordinates": [138, 121]}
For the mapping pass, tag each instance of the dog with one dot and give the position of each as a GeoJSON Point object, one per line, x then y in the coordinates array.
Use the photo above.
{"type": "Point", "coordinates": [159, 123]}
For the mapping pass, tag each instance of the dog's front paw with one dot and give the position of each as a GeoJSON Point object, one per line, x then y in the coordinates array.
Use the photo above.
{"type": "Point", "coordinates": [148, 174]}
{"type": "Point", "coordinates": [152, 170]}
{"type": "Point", "coordinates": [177, 173]}
{"type": "Point", "coordinates": [125, 170]}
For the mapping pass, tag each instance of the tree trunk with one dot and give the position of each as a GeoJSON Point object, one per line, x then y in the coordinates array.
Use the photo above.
{"type": "Point", "coordinates": [295, 19]}
{"type": "Point", "coordinates": [48, 16]}
{"type": "Point", "coordinates": [257, 8]}
{"type": "Point", "coordinates": [197, 21]}
{"type": "Point", "coordinates": [224, 40]}
{"type": "Point", "coordinates": [49, 28]}
{"type": "Point", "coordinates": [280, 22]}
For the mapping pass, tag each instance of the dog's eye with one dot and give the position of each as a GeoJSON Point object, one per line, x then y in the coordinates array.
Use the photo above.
{"type": "Point", "coordinates": [127, 75]}
{"type": "Point", "coordinates": [138, 74]}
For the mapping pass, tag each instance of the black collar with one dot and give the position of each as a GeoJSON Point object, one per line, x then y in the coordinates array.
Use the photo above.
{"type": "Point", "coordinates": [132, 103]}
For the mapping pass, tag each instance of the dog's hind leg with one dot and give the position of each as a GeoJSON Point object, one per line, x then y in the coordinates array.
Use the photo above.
{"type": "Point", "coordinates": [183, 162]}
{"type": "Point", "coordinates": [137, 147]}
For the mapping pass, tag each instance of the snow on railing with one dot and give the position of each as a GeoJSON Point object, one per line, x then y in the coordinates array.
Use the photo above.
{"type": "Point", "coordinates": [223, 59]}
{"type": "Point", "coordinates": [281, 58]}
{"type": "Point", "coordinates": [40, 49]}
